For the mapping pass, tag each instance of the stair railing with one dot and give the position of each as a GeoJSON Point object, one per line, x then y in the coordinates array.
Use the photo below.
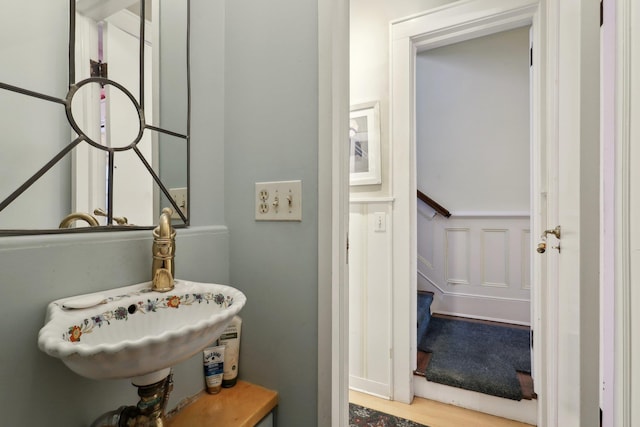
{"type": "Point", "coordinates": [434, 205]}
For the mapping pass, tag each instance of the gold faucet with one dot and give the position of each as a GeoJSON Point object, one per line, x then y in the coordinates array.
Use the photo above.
{"type": "Point", "coordinates": [71, 218]}
{"type": "Point", "coordinates": [120, 220]}
{"type": "Point", "coordinates": [164, 249]}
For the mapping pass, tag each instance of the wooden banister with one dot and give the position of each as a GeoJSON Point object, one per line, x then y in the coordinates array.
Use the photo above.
{"type": "Point", "coordinates": [434, 205]}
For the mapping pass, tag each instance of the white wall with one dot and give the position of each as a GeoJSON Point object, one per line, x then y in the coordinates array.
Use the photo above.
{"type": "Point", "coordinates": [370, 297]}
{"type": "Point", "coordinates": [472, 119]}
{"type": "Point", "coordinates": [472, 157]}
{"type": "Point", "coordinates": [369, 81]}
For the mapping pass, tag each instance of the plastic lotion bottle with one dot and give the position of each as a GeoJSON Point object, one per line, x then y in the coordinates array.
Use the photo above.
{"type": "Point", "coordinates": [230, 339]}
{"type": "Point", "coordinates": [213, 359]}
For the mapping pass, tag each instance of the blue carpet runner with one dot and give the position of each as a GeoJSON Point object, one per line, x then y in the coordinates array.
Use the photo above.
{"type": "Point", "coordinates": [424, 312]}
{"type": "Point", "coordinates": [476, 356]}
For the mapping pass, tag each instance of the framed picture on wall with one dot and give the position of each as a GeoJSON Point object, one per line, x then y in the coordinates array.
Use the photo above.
{"type": "Point", "coordinates": [364, 144]}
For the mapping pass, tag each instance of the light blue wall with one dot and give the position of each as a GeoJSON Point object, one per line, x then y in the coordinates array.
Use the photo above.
{"type": "Point", "coordinates": [38, 389]}
{"type": "Point", "coordinates": [254, 118]}
{"type": "Point", "coordinates": [33, 48]}
{"type": "Point", "coordinates": [207, 111]}
{"type": "Point", "coordinates": [173, 102]}
{"type": "Point", "coordinates": [36, 270]}
{"type": "Point", "coordinates": [271, 133]}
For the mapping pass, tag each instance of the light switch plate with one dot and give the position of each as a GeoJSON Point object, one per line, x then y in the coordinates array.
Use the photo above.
{"type": "Point", "coordinates": [179, 195]}
{"type": "Point", "coordinates": [380, 222]}
{"type": "Point", "coordinates": [278, 201]}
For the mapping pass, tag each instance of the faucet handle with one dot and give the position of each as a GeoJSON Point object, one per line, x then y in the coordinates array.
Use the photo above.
{"type": "Point", "coordinates": [168, 211]}
{"type": "Point", "coordinates": [118, 219]}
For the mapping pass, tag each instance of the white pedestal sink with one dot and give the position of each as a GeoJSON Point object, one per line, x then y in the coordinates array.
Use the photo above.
{"type": "Point", "coordinates": [132, 332]}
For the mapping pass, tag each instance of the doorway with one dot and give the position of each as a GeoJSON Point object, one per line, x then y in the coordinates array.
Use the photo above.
{"type": "Point", "coordinates": [371, 207]}
{"type": "Point", "coordinates": [473, 157]}
{"type": "Point", "coordinates": [566, 111]}
{"type": "Point", "coordinates": [431, 30]}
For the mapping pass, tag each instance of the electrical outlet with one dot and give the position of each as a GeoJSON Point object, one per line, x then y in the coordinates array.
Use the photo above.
{"type": "Point", "coordinates": [179, 195]}
{"type": "Point", "coordinates": [278, 201]}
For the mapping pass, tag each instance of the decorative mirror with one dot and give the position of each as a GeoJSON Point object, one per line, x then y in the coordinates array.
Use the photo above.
{"type": "Point", "coordinates": [94, 130]}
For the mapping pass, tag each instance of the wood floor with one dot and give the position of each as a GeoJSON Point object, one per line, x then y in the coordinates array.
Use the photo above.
{"type": "Point", "coordinates": [431, 413]}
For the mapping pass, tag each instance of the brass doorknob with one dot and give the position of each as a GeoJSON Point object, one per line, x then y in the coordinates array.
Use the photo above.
{"type": "Point", "coordinates": [542, 247]}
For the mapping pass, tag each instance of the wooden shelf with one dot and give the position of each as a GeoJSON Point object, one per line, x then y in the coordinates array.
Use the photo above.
{"type": "Point", "coordinates": [243, 405]}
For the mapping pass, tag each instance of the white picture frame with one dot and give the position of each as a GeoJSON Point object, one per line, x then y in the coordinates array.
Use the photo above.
{"type": "Point", "coordinates": [364, 144]}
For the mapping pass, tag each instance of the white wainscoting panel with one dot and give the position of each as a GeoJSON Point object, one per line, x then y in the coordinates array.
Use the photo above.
{"type": "Point", "coordinates": [370, 297]}
{"type": "Point", "coordinates": [457, 256]}
{"type": "Point", "coordinates": [476, 265]}
{"type": "Point", "coordinates": [525, 257]}
{"type": "Point", "coordinates": [495, 257]}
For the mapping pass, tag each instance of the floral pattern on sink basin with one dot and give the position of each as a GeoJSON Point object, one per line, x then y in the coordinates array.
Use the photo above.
{"type": "Point", "coordinates": [149, 306]}
{"type": "Point", "coordinates": [132, 331]}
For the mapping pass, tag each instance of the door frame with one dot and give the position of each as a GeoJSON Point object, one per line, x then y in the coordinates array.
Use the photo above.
{"type": "Point", "coordinates": [333, 218]}
{"type": "Point", "coordinates": [624, 399]}
{"type": "Point", "coordinates": [437, 27]}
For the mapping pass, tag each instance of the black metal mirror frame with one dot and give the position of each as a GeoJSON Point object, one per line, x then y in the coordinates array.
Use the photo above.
{"type": "Point", "coordinates": [139, 105]}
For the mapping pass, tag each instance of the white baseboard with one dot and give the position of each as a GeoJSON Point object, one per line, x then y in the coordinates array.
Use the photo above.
{"type": "Point", "coordinates": [524, 411]}
{"type": "Point", "coordinates": [373, 388]}
{"type": "Point", "coordinates": [498, 309]}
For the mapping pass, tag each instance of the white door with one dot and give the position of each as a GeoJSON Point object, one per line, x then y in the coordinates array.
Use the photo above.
{"type": "Point", "coordinates": [571, 339]}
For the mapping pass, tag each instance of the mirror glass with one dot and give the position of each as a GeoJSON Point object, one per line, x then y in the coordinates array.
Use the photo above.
{"type": "Point", "coordinates": [95, 102]}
